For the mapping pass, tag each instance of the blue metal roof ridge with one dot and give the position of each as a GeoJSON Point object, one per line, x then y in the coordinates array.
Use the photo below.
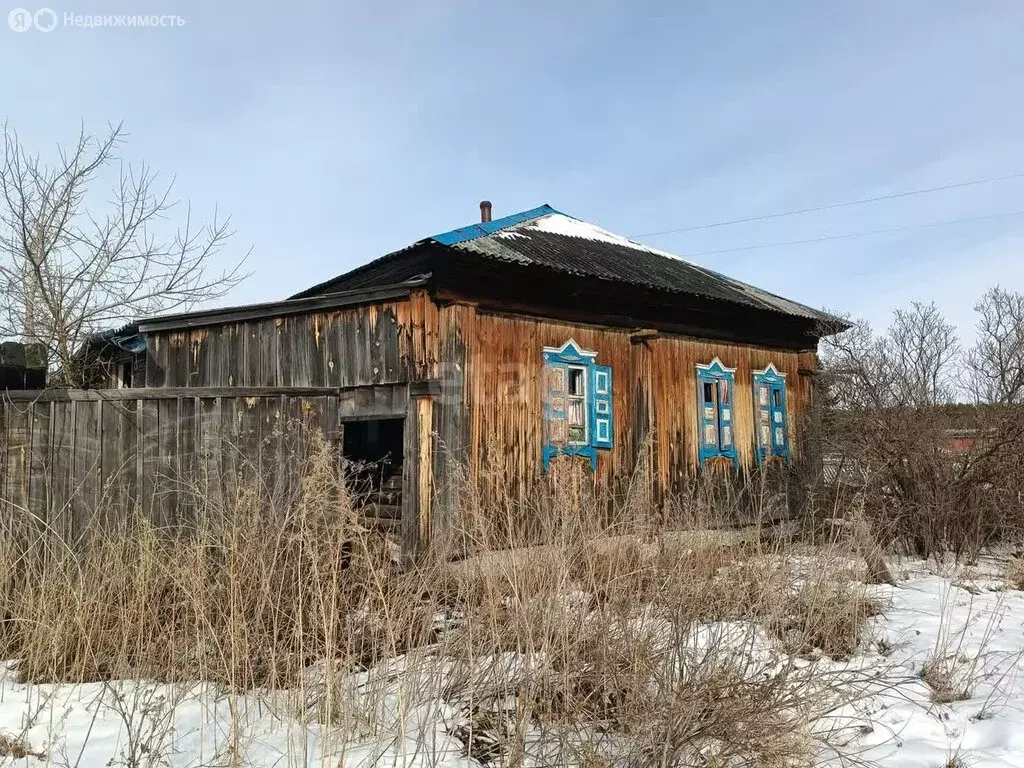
{"type": "Point", "coordinates": [485, 228]}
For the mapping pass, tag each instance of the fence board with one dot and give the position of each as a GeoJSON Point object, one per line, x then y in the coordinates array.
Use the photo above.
{"type": "Point", "coordinates": [38, 469]}
{"type": "Point", "coordinates": [85, 504]}
{"type": "Point", "coordinates": [73, 460]}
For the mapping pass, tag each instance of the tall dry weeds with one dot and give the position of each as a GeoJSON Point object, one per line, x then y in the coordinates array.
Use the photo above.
{"type": "Point", "coordinates": [568, 629]}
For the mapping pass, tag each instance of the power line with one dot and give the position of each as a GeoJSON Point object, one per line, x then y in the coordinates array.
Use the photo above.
{"type": "Point", "coordinates": [832, 206]}
{"type": "Point", "coordinates": [859, 234]}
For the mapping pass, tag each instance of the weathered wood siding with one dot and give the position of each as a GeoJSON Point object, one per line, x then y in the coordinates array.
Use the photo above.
{"type": "Point", "coordinates": [673, 398]}
{"type": "Point", "coordinates": [380, 343]}
{"type": "Point", "coordinates": [654, 388]}
{"type": "Point", "coordinates": [75, 463]}
{"type": "Point", "coordinates": [504, 399]}
{"type": "Point", "coordinates": [75, 460]}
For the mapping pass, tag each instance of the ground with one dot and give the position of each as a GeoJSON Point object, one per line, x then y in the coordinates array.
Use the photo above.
{"type": "Point", "coordinates": [967, 618]}
{"type": "Point", "coordinates": [946, 689]}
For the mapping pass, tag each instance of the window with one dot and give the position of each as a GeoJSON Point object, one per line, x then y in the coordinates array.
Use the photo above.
{"type": "Point", "coordinates": [715, 384]}
{"type": "Point", "coordinates": [770, 413]}
{"type": "Point", "coordinates": [124, 375]}
{"type": "Point", "coordinates": [577, 403]}
{"type": "Point", "coordinates": [577, 397]}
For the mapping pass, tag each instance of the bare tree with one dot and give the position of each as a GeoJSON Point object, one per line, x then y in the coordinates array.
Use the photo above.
{"type": "Point", "coordinates": [996, 362]}
{"type": "Point", "coordinates": [860, 372]}
{"type": "Point", "coordinates": [912, 364]}
{"type": "Point", "coordinates": [927, 473]}
{"type": "Point", "coordinates": [924, 351]}
{"type": "Point", "coordinates": [72, 263]}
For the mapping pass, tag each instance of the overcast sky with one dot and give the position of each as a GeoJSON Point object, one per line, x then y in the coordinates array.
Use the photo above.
{"type": "Point", "coordinates": [335, 132]}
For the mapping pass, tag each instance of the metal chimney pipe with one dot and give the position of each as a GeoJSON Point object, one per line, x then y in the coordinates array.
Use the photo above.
{"type": "Point", "coordinates": [485, 211]}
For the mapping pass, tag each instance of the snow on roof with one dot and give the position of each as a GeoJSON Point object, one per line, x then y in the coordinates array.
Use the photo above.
{"type": "Point", "coordinates": [547, 238]}
{"type": "Point", "coordinates": [527, 238]}
{"type": "Point", "coordinates": [567, 226]}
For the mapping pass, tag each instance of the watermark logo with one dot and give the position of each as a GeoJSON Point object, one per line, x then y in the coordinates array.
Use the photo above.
{"type": "Point", "coordinates": [22, 19]}
{"type": "Point", "coordinates": [46, 20]}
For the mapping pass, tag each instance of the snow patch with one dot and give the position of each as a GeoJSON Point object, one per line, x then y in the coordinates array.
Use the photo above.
{"type": "Point", "coordinates": [560, 224]}
{"type": "Point", "coordinates": [956, 614]}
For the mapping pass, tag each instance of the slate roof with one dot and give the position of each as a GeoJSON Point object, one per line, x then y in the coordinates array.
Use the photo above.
{"type": "Point", "coordinates": [547, 238]}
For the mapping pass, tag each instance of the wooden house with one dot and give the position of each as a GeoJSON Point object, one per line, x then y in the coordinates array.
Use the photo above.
{"type": "Point", "coordinates": [514, 343]}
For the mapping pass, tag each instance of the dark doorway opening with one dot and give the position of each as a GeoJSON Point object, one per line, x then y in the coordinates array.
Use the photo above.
{"type": "Point", "coordinates": [373, 462]}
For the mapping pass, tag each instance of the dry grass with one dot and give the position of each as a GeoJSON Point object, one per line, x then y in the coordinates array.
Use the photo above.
{"type": "Point", "coordinates": [1014, 573]}
{"type": "Point", "coordinates": [18, 748]}
{"type": "Point", "coordinates": [946, 679]}
{"type": "Point", "coordinates": [574, 636]}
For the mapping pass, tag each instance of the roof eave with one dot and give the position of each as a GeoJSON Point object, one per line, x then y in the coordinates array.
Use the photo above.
{"type": "Point", "coordinates": [281, 308]}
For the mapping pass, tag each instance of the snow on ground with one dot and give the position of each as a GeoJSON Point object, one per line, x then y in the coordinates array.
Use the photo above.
{"type": "Point", "coordinates": [968, 620]}
{"type": "Point", "coordinates": [963, 617]}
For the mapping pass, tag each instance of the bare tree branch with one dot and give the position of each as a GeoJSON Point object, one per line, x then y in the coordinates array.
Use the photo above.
{"type": "Point", "coordinates": [71, 266]}
{"type": "Point", "coordinates": [996, 362]}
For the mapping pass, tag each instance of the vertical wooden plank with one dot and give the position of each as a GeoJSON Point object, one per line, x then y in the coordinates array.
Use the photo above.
{"type": "Point", "coordinates": [62, 492]}
{"type": "Point", "coordinates": [304, 367]}
{"type": "Point", "coordinates": [5, 508]}
{"type": "Point", "coordinates": [19, 436]}
{"type": "Point", "coordinates": [187, 465]}
{"type": "Point", "coordinates": [286, 350]}
{"type": "Point", "coordinates": [168, 477]}
{"type": "Point", "coordinates": [211, 359]}
{"type": "Point", "coordinates": [128, 436]}
{"type": "Point", "coordinates": [347, 336]}
{"type": "Point", "coordinates": [267, 354]}
{"type": "Point", "coordinates": [230, 419]}
{"type": "Point", "coordinates": [211, 468]}
{"type": "Point", "coordinates": [449, 422]}
{"type": "Point", "coordinates": [232, 340]}
{"type": "Point", "coordinates": [175, 345]}
{"type": "Point", "coordinates": [298, 419]}
{"type": "Point", "coordinates": [149, 458]}
{"type": "Point", "coordinates": [40, 466]}
{"type": "Point", "coordinates": [269, 423]}
{"type": "Point", "coordinates": [642, 415]}
{"type": "Point", "coordinates": [85, 504]}
{"type": "Point", "coordinates": [156, 361]}
{"type": "Point", "coordinates": [416, 479]}
{"type": "Point", "coordinates": [315, 346]}
{"type": "Point", "coordinates": [362, 357]}
{"type": "Point", "coordinates": [377, 344]}
{"type": "Point", "coordinates": [111, 460]}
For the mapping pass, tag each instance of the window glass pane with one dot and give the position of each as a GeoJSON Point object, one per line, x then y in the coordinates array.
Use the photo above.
{"type": "Point", "coordinates": [709, 392]}
{"type": "Point", "coordinates": [723, 391]}
{"type": "Point", "coordinates": [777, 398]}
{"type": "Point", "coordinates": [726, 436]}
{"type": "Point", "coordinates": [576, 381]}
{"type": "Point", "coordinates": [780, 437]}
{"type": "Point", "coordinates": [577, 412]}
{"type": "Point", "coordinates": [577, 420]}
{"type": "Point", "coordinates": [762, 394]}
{"type": "Point", "coordinates": [711, 434]}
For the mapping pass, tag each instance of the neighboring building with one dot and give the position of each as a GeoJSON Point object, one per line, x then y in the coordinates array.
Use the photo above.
{"type": "Point", "coordinates": [22, 366]}
{"type": "Point", "coordinates": [537, 336]}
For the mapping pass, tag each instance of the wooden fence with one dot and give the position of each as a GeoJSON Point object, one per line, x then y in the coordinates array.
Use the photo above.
{"type": "Point", "coordinates": [66, 455]}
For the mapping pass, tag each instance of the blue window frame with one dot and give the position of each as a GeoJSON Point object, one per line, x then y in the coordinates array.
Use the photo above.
{"type": "Point", "coordinates": [577, 403]}
{"type": "Point", "coordinates": [771, 418]}
{"type": "Point", "coordinates": [715, 390]}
